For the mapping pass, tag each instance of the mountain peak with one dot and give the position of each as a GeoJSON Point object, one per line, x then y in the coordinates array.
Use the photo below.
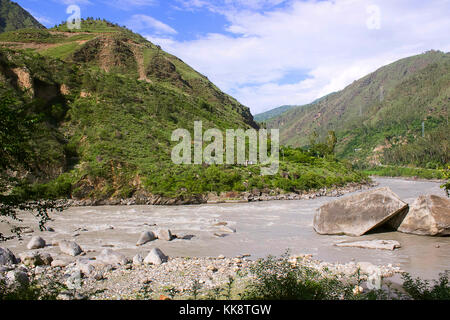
{"type": "Point", "coordinates": [14, 17]}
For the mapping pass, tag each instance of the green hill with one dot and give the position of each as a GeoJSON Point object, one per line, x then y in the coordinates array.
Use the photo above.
{"type": "Point", "coordinates": [13, 17]}
{"type": "Point", "coordinates": [378, 119]}
{"type": "Point", "coordinates": [105, 102]}
{"type": "Point", "coordinates": [265, 116]}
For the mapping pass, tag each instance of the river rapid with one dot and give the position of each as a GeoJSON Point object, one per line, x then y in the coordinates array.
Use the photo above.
{"type": "Point", "coordinates": [262, 228]}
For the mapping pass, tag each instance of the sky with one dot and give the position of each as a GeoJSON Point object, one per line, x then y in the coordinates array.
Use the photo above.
{"type": "Point", "coordinates": [268, 53]}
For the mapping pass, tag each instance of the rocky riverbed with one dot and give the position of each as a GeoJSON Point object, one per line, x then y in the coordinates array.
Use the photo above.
{"type": "Point", "coordinates": [143, 198]}
{"type": "Point", "coordinates": [175, 278]}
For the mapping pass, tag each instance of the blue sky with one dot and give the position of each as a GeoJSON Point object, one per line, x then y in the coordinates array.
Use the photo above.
{"type": "Point", "coordinates": [268, 53]}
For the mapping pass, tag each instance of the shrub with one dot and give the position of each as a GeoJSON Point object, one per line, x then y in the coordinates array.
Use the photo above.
{"type": "Point", "coordinates": [419, 289]}
{"type": "Point", "coordinates": [278, 279]}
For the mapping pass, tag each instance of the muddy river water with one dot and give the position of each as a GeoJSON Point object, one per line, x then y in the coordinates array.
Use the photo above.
{"type": "Point", "coordinates": [262, 228]}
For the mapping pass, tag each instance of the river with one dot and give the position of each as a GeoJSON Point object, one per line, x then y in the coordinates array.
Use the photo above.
{"type": "Point", "coordinates": [262, 228]}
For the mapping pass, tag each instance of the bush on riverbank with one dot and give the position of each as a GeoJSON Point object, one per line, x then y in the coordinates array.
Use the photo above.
{"type": "Point", "coordinates": [279, 279]}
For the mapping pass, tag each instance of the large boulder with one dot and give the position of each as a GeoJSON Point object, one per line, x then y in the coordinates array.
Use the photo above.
{"type": "Point", "coordinates": [357, 214]}
{"type": "Point", "coordinates": [428, 215]}
{"type": "Point", "coordinates": [7, 257]}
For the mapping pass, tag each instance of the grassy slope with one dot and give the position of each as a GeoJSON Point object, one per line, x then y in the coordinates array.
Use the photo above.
{"type": "Point", "coordinates": [13, 17]}
{"type": "Point", "coordinates": [107, 129]}
{"type": "Point", "coordinates": [383, 108]}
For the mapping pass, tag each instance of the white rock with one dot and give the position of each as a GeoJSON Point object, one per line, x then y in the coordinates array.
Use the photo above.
{"type": "Point", "coordinates": [59, 263]}
{"type": "Point", "coordinates": [145, 237]}
{"type": "Point", "coordinates": [371, 244]}
{"type": "Point", "coordinates": [70, 248]}
{"type": "Point", "coordinates": [227, 229]}
{"type": "Point", "coordinates": [36, 242]}
{"type": "Point", "coordinates": [156, 257]}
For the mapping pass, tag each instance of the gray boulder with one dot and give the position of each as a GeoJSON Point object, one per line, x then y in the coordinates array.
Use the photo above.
{"type": "Point", "coordinates": [70, 248]}
{"type": "Point", "coordinates": [36, 242]}
{"type": "Point", "coordinates": [108, 256]}
{"type": "Point", "coordinates": [156, 257]}
{"type": "Point", "coordinates": [429, 215]}
{"type": "Point", "coordinates": [145, 237]}
{"type": "Point", "coordinates": [357, 214]}
{"type": "Point", "coordinates": [7, 257]}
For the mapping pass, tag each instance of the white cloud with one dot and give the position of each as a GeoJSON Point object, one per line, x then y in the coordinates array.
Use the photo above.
{"type": "Point", "coordinates": [129, 4]}
{"type": "Point", "coordinates": [143, 22]}
{"type": "Point", "coordinates": [337, 41]}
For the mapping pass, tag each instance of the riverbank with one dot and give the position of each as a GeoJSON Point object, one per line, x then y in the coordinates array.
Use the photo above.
{"type": "Point", "coordinates": [223, 197]}
{"type": "Point", "coordinates": [178, 278]}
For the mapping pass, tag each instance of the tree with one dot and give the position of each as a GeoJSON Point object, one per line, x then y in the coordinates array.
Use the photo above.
{"type": "Point", "coordinates": [16, 154]}
{"type": "Point", "coordinates": [331, 141]}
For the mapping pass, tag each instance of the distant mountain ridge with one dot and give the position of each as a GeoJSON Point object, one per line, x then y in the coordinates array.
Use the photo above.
{"type": "Point", "coordinates": [264, 116]}
{"type": "Point", "coordinates": [379, 112]}
{"type": "Point", "coordinates": [14, 17]}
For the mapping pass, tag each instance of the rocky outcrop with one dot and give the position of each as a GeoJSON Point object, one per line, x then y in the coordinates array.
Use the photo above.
{"type": "Point", "coordinates": [429, 215]}
{"type": "Point", "coordinates": [357, 214]}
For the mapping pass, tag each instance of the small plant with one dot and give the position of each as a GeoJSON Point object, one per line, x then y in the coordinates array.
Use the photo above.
{"type": "Point", "coordinates": [195, 289]}
{"type": "Point", "coordinates": [229, 287]}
